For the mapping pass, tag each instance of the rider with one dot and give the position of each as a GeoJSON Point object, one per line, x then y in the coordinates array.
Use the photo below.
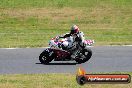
{"type": "Point", "coordinates": [74, 39]}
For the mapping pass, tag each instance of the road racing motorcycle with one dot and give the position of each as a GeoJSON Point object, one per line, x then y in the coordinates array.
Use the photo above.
{"type": "Point", "coordinates": [57, 53]}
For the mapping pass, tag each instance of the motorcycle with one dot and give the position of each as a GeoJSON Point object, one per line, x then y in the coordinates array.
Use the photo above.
{"type": "Point", "coordinates": [57, 53]}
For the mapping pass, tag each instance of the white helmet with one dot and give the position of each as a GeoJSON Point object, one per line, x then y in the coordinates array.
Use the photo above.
{"type": "Point", "coordinates": [74, 29]}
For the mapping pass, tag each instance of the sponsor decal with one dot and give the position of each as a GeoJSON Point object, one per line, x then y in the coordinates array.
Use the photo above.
{"type": "Point", "coordinates": [83, 78]}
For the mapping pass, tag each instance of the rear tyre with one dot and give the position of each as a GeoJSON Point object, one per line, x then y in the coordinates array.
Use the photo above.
{"type": "Point", "coordinates": [86, 55]}
{"type": "Point", "coordinates": [44, 57]}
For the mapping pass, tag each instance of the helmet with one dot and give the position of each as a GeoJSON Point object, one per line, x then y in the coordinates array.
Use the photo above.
{"type": "Point", "coordinates": [74, 29]}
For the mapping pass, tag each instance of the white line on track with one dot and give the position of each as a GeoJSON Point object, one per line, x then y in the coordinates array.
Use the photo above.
{"type": "Point", "coordinates": [10, 48]}
{"type": "Point", "coordinates": [126, 45]}
{"type": "Point", "coordinates": [48, 47]}
{"type": "Point", "coordinates": [117, 45]}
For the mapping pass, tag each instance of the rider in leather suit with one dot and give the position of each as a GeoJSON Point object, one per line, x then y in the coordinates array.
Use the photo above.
{"type": "Point", "coordinates": [75, 39]}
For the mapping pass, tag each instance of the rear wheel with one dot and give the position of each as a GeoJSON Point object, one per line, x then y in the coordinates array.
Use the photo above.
{"type": "Point", "coordinates": [44, 57]}
{"type": "Point", "coordinates": [85, 55]}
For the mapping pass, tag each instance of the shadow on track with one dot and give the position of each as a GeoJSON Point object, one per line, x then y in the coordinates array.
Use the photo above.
{"type": "Point", "coordinates": [58, 63]}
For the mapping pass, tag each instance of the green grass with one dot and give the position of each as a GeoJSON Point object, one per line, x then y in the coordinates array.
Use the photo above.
{"type": "Point", "coordinates": [31, 23]}
{"type": "Point", "coordinates": [50, 81]}
{"type": "Point", "coordinates": [62, 3]}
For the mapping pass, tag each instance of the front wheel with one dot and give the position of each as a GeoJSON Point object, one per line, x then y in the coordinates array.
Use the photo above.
{"type": "Point", "coordinates": [85, 55]}
{"type": "Point", "coordinates": [44, 57]}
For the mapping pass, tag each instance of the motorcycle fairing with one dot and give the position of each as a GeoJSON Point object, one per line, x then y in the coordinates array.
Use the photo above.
{"type": "Point", "coordinates": [61, 55]}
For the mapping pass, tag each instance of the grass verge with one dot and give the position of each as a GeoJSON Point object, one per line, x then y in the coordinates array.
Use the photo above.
{"type": "Point", "coordinates": [50, 81]}
{"type": "Point", "coordinates": [31, 23]}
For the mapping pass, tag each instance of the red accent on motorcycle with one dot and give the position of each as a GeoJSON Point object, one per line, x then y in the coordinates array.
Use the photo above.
{"type": "Point", "coordinates": [61, 54]}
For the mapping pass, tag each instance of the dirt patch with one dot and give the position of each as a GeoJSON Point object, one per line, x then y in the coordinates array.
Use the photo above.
{"type": "Point", "coordinates": [53, 13]}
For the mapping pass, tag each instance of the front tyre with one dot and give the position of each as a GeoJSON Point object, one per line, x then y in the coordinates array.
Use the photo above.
{"type": "Point", "coordinates": [86, 55]}
{"type": "Point", "coordinates": [44, 57]}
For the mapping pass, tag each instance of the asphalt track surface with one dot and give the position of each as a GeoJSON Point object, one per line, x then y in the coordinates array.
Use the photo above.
{"type": "Point", "coordinates": [104, 59]}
